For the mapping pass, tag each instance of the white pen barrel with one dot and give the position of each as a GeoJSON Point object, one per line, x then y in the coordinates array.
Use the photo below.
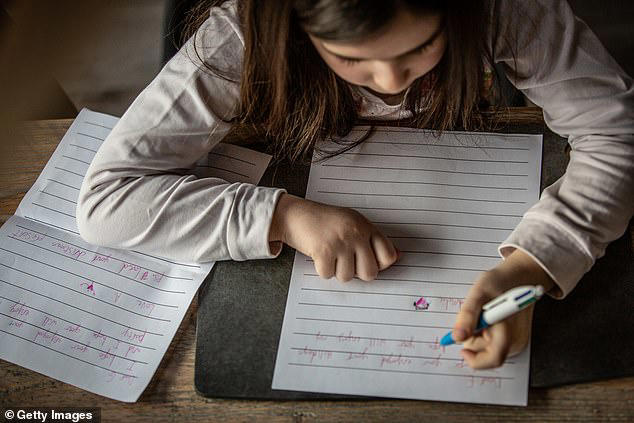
{"type": "Point", "coordinates": [499, 312]}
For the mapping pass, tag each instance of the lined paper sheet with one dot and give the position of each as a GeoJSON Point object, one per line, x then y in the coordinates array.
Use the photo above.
{"type": "Point", "coordinates": [97, 318]}
{"type": "Point", "coordinates": [446, 203]}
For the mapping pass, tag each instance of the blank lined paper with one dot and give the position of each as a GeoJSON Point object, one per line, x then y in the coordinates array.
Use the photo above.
{"type": "Point", "coordinates": [97, 318]}
{"type": "Point", "coordinates": [446, 202]}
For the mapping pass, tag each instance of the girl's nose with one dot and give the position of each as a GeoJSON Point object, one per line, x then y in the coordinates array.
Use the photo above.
{"type": "Point", "coordinates": [391, 77]}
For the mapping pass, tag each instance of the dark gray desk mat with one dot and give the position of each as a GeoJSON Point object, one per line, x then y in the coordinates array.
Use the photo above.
{"type": "Point", "coordinates": [241, 306]}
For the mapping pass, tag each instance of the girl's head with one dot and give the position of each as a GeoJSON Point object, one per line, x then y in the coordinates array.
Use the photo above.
{"type": "Point", "coordinates": [302, 55]}
{"type": "Point", "coordinates": [384, 47]}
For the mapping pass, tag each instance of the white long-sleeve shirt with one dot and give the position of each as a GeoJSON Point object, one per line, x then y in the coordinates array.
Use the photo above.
{"type": "Point", "coordinates": [139, 193]}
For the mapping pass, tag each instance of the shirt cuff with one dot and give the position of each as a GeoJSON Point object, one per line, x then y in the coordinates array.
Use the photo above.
{"type": "Point", "coordinates": [553, 248]}
{"type": "Point", "coordinates": [250, 221]}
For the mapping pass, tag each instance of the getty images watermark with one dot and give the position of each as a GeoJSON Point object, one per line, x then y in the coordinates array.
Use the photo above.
{"type": "Point", "coordinates": [51, 415]}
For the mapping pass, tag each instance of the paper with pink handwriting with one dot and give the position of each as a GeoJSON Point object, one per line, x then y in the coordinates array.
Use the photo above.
{"type": "Point", "coordinates": [446, 203]}
{"type": "Point", "coordinates": [98, 318]}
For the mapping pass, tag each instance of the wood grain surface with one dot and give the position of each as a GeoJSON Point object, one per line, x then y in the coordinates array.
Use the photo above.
{"type": "Point", "coordinates": [171, 395]}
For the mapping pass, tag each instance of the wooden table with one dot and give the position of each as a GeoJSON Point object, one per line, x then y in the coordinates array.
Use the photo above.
{"type": "Point", "coordinates": [171, 395]}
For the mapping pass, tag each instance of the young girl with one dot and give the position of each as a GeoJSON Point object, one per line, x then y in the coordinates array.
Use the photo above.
{"type": "Point", "coordinates": [306, 69]}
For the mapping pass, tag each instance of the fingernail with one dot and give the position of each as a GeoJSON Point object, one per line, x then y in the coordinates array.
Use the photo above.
{"type": "Point", "coordinates": [459, 334]}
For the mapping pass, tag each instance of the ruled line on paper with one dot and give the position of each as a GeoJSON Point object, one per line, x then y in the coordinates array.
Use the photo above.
{"type": "Point", "coordinates": [90, 136]}
{"type": "Point", "coordinates": [70, 339]}
{"type": "Point", "coordinates": [425, 170]}
{"type": "Point", "coordinates": [51, 225]}
{"type": "Point", "coordinates": [448, 145]}
{"type": "Point", "coordinates": [435, 210]}
{"type": "Point", "coordinates": [223, 169]}
{"type": "Point", "coordinates": [380, 278]}
{"type": "Point", "coordinates": [70, 171]}
{"type": "Point", "coordinates": [59, 197]}
{"type": "Point", "coordinates": [83, 293]}
{"type": "Point", "coordinates": [156, 275]}
{"type": "Point", "coordinates": [397, 371]}
{"type": "Point", "coordinates": [370, 194]}
{"type": "Point", "coordinates": [103, 317]}
{"type": "Point", "coordinates": [62, 183]}
{"type": "Point", "coordinates": [446, 203]}
{"type": "Point", "coordinates": [98, 124]}
{"type": "Point", "coordinates": [213, 153]}
{"type": "Point", "coordinates": [424, 183]}
{"type": "Point", "coordinates": [371, 323]}
{"type": "Point", "coordinates": [456, 159]}
{"type": "Point", "coordinates": [75, 159]}
{"type": "Point", "coordinates": [101, 284]}
{"type": "Point", "coordinates": [68, 355]}
{"type": "Point", "coordinates": [28, 306]}
{"type": "Point", "coordinates": [83, 148]}
{"type": "Point", "coordinates": [80, 309]}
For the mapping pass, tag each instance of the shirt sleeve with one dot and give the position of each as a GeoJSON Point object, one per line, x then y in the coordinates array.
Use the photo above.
{"type": "Point", "coordinates": [139, 192]}
{"type": "Point", "coordinates": [562, 67]}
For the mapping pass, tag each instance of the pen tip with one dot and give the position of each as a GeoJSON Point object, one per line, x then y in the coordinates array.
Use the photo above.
{"type": "Point", "coordinates": [446, 340]}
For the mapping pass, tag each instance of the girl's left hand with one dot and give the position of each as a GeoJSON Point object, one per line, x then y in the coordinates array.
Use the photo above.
{"type": "Point", "coordinates": [492, 346]}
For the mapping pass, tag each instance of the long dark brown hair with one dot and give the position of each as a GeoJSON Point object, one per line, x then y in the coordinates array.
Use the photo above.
{"type": "Point", "coordinates": [287, 90]}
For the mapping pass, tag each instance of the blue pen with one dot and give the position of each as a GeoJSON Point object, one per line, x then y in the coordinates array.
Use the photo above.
{"type": "Point", "coordinates": [507, 304]}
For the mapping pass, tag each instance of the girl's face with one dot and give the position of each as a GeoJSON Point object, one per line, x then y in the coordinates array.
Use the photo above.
{"type": "Point", "coordinates": [387, 63]}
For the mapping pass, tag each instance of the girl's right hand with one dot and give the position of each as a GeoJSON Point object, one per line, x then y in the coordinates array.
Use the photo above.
{"type": "Point", "coordinates": [341, 241]}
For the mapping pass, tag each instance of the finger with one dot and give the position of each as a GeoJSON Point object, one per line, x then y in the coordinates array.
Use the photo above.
{"type": "Point", "coordinates": [475, 343]}
{"type": "Point", "coordinates": [469, 313]}
{"type": "Point", "coordinates": [344, 268]}
{"type": "Point", "coordinates": [496, 351]}
{"type": "Point", "coordinates": [365, 262]}
{"type": "Point", "coordinates": [325, 266]}
{"type": "Point", "coordinates": [384, 250]}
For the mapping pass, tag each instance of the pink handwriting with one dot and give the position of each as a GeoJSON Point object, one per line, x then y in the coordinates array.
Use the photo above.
{"type": "Point", "coordinates": [132, 350]}
{"type": "Point", "coordinates": [320, 337]}
{"type": "Point", "coordinates": [89, 287]}
{"type": "Point", "coordinates": [374, 342]}
{"type": "Point", "coordinates": [157, 277]}
{"type": "Point", "coordinates": [47, 321]}
{"type": "Point", "coordinates": [435, 362]}
{"type": "Point", "coordinates": [127, 378]}
{"type": "Point", "coordinates": [72, 328]}
{"type": "Point", "coordinates": [407, 343]}
{"type": "Point", "coordinates": [79, 347]}
{"type": "Point", "coordinates": [19, 309]}
{"type": "Point", "coordinates": [27, 235]}
{"type": "Point", "coordinates": [395, 359]}
{"type": "Point", "coordinates": [48, 337]}
{"type": "Point", "coordinates": [69, 250]}
{"type": "Point", "coordinates": [134, 335]}
{"type": "Point", "coordinates": [145, 307]}
{"type": "Point", "coordinates": [362, 355]}
{"type": "Point", "coordinates": [315, 354]}
{"type": "Point", "coordinates": [106, 356]}
{"type": "Point", "coordinates": [436, 345]}
{"type": "Point", "coordinates": [129, 267]}
{"type": "Point", "coordinates": [153, 277]}
{"type": "Point", "coordinates": [472, 381]}
{"type": "Point", "coordinates": [494, 381]}
{"type": "Point", "coordinates": [100, 258]}
{"type": "Point", "coordinates": [99, 335]}
{"type": "Point", "coordinates": [447, 303]}
{"type": "Point", "coordinates": [349, 338]}
{"type": "Point", "coordinates": [16, 324]}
